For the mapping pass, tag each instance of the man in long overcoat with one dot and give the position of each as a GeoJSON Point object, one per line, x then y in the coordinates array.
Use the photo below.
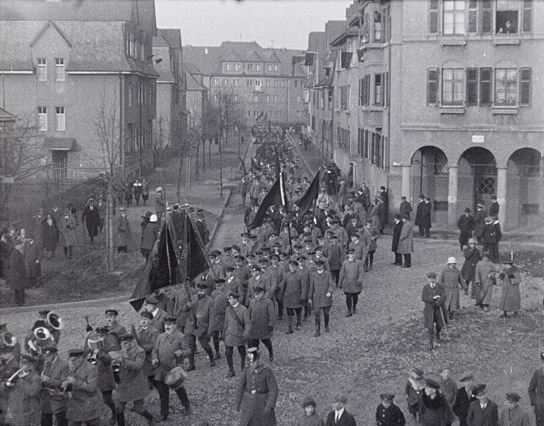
{"type": "Point", "coordinates": [395, 241]}
{"type": "Point", "coordinates": [124, 234]}
{"type": "Point", "coordinates": [536, 392]}
{"type": "Point", "coordinates": [261, 316]}
{"type": "Point", "coordinates": [466, 225]}
{"type": "Point", "coordinates": [485, 280]}
{"type": "Point", "coordinates": [468, 271]}
{"type": "Point", "coordinates": [406, 242]}
{"type": "Point", "coordinates": [320, 295]}
{"type": "Point", "coordinates": [16, 276]}
{"type": "Point", "coordinates": [146, 336]}
{"type": "Point", "coordinates": [257, 393]}
{"type": "Point", "coordinates": [294, 291]}
{"type": "Point", "coordinates": [513, 414]}
{"type": "Point", "coordinates": [23, 408]}
{"type": "Point", "coordinates": [464, 398]}
{"type": "Point", "coordinates": [67, 229]}
{"type": "Point", "coordinates": [91, 217]}
{"type": "Point", "coordinates": [433, 296]}
{"type": "Point", "coordinates": [419, 215]}
{"type": "Point", "coordinates": [236, 332]}
{"type": "Point", "coordinates": [510, 296]}
{"type": "Point", "coordinates": [132, 386]}
{"type": "Point", "coordinates": [434, 408]}
{"type": "Point", "coordinates": [451, 279]}
{"type": "Point", "coordinates": [405, 208]}
{"type": "Point", "coordinates": [479, 221]}
{"type": "Point", "coordinates": [55, 370]}
{"type": "Point", "coordinates": [33, 257]}
{"type": "Point", "coordinates": [483, 412]}
{"type": "Point", "coordinates": [351, 281]}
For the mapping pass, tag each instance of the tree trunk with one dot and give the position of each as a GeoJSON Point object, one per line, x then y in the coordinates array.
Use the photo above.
{"type": "Point", "coordinates": [110, 252]}
{"type": "Point", "coordinates": [196, 156]}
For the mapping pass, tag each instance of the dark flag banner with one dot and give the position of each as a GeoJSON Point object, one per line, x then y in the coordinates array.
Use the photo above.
{"type": "Point", "coordinates": [311, 195]}
{"type": "Point", "coordinates": [272, 198]}
{"type": "Point", "coordinates": [194, 259]}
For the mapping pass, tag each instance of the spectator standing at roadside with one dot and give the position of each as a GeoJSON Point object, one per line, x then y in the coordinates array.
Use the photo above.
{"type": "Point", "coordinates": [339, 416]}
{"type": "Point", "coordinates": [124, 234]}
{"type": "Point", "coordinates": [91, 218]}
{"type": "Point", "coordinates": [137, 191]}
{"type": "Point", "coordinates": [512, 414]}
{"type": "Point", "coordinates": [67, 229]}
{"type": "Point", "coordinates": [16, 276]}
{"type": "Point", "coordinates": [385, 210]}
{"type": "Point", "coordinates": [160, 203]}
{"type": "Point", "coordinates": [405, 208]}
{"type": "Point", "coordinates": [145, 191]}
{"type": "Point", "coordinates": [310, 417]}
{"type": "Point", "coordinates": [536, 392]}
{"type": "Point", "coordinates": [434, 408]}
{"type": "Point", "coordinates": [395, 241]}
{"type": "Point", "coordinates": [483, 412]}
{"type": "Point", "coordinates": [464, 398]}
{"type": "Point", "coordinates": [387, 413]}
{"type": "Point", "coordinates": [466, 225]}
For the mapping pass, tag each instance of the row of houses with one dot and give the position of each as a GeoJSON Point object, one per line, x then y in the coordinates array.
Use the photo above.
{"type": "Point", "coordinates": [73, 68]}
{"type": "Point", "coordinates": [434, 97]}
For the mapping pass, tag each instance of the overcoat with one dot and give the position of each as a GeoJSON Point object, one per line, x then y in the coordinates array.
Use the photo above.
{"type": "Point", "coordinates": [149, 235]}
{"type": "Point", "coordinates": [261, 316]}
{"type": "Point", "coordinates": [463, 399]}
{"type": "Point", "coordinates": [451, 279]}
{"type": "Point", "coordinates": [124, 235]}
{"type": "Point", "coordinates": [91, 219]}
{"type": "Point", "coordinates": [336, 256]}
{"type": "Point", "coordinates": [24, 401]}
{"type": "Point", "coordinates": [375, 215]}
{"type": "Point", "coordinates": [294, 289]}
{"type": "Point", "coordinates": [510, 295]}
{"type": "Point", "coordinates": [472, 257]}
{"type": "Point", "coordinates": [199, 321]}
{"type": "Point", "coordinates": [133, 384]}
{"type": "Point", "coordinates": [86, 402]}
{"type": "Point", "coordinates": [164, 349]}
{"type": "Point", "coordinates": [147, 338]}
{"type": "Point", "coordinates": [479, 222]}
{"type": "Point", "coordinates": [237, 325]}
{"type": "Point", "coordinates": [435, 412]}
{"type": "Point", "coordinates": [370, 237]}
{"type": "Point", "coordinates": [431, 311]}
{"type": "Point", "coordinates": [52, 400]}
{"type": "Point", "coordinates": [426, 215]}
{"type": "Point", "coordinates": [396, 236]}
{"type": "Point", "coordinates": [50, 235]}
{"type": "Point", "coordinates": [220, 303]}
{"type": "Point", "coordinates": [16, 277]}
{"type": "Point", "coordinates": [405, 208]}
{"type": "Point", "coordinates": [321, 284]}
{"type": "Point", "coordinates": [351, 276]}
{"type": "Point", "coordinates": [390, 416]}
{"type": "Point", "coordinates": [419, 214]}
{"type": "Point", "coordinates": [406, 238]}
{"type": "Point", "coordinates": [257, 390]}
{"type": "Point", "coordinates": [33, 257]}
{"type": "Point", "coordinates": [536, 394]}
{"type": "Point", "coordinates": [515, 417]}
{"type": "Point", "coordinates": [67, 228]}
{"type": "Point", "coordinates": [486, 417]}
{"type": "Point", "coordinates": [485, 279]}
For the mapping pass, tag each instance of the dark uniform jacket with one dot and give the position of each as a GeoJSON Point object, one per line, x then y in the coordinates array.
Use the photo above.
{"type": "Point", "coordinates": [85, 402]}
{"type": "Point", "coordinates": [262, 317]}
{"type": "Point", "coordinates": [24, 402]}
{"type": "Point", "coordinates": [435, 412]}
{"type": "Point", "coordinates": [164, 349]}
{"type": "Point", "coordinates": [133, 384]}
{"type": "Point", "coordinates": [390, 416]}
{"type": "Point", "coordinates": [146, 339]}
{"type": "Point", "coordinates": [345, 420]}
{"type": "Point", "coordinates": [52, 399]}
{"type": "Point", "coordinates": [257, 390]}
{"type": "Point", "coordinates": [536, 392]}
{"type": "Point", "coordinates": [16, 276]}
{"type": "Point", "coordinates": [483, 417]}
{"type": "Point", "coordinates": [462, 403]}
{"type": "Point", "coordinates": [237, 324]}
{"type": "Point", "coordinates": [198, 323]}
{"type": "Point", "coordinates": [351, 276]}
{"type": "Point", "coordinates": [321, 284]}
{"type": "Point", "coordinates": [294, 289]}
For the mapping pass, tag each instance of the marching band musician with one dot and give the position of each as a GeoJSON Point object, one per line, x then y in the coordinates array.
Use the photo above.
{"type": "Point", "coordinates": [8, 366]}
{"type": "Point", "coordinates": [169, 350]}
{"type": "Point", "coordinates": [83, 405]}
{"type": "Point", "coordinates": [24, 388]}
{"type": "Point", "coordinates": [158, 315]}
{"type": "Point", "coordinates": [146, 337]}
{"type": "Point", "coordinates": [100, 347]}
{"type": "Point", "coordinates": [55, 371]}
{"type": "Point", "coordinates": [15, 349]}
{"type": "Point", "coordinates": [114, 326]}
{"type": "Point", "coordinates": [55, 332]}
{"type": "Point", "coordinates": [39, 338]}
{"type": "Point", "coordinates": [132, 386]}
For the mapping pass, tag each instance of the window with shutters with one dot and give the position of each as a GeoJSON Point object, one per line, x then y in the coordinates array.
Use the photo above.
{"type": "Point", "coordinates": [454, 17]}
{"type": "Point", "coordinates": [433, 16]}
{"type": "Point", "coordinates": [485, 86]}
{"type": "Point", "coordinates": [378, 92]}
{"type": "Point", "coordinates": [432, 86]}
{"type": "Point", "coordinates": [506, 86]}
{"type": "Point", "coordinates": [472, 86]}
{"type": "Point", "coordinates": [506, 16]}
{"type": "Point", "coordinates": [366, 143]}
{"type": "Point", "coordinates": [487, 16]}
{"type": "Point", "coordinates": [525, 87]}
{"type": "Point", "coordinates": [472, 17]}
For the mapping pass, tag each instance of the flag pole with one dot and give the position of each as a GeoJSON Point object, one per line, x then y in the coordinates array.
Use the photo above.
{"type": "Point", "coordinates": [284, 201]}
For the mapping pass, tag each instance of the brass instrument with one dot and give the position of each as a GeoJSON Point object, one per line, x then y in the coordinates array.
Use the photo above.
{"type": "Point", "coordinates": [8, 339]}
{"type": "Point", "coordinates": [11, 380]}
{"type": "Point", "coordinates": [42, 333]}
{"type": "Point", "coordinates": [93, 356]}
{"type": "Point", "coordinates": [117, 359]}
{"type": "Point", "coordinates": [54, 321]}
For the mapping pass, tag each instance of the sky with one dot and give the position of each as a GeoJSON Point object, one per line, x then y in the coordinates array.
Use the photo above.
{"type": "Point", "coordinates": [271, 23]}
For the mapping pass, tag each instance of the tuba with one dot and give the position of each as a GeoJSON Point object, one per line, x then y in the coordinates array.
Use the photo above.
{"type": "Point", "coordinates": [8, 339]}
{"type": "Point", "coordinates": [42, 333]}
{"type": "Point", "coordinates": [54, 321]}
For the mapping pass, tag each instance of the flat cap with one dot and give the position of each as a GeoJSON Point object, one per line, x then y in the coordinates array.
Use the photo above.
{"type": "Point", "coordinates": [433, 384]}
{"type": "Point", "coordinates": [152, 300]}
{"type": "Point", "coordinates": [513, 397]}
{"type": "Point", "coordinates": [387, 396]}
{"type": "Point", "coordinates": [466, 376]}
{"type": "Point", "coordinates": [170, 319]}
{"type": "Point", "coordinates": [112, 312]}
{"type": "Point", "coordinates": [234, 294]}
{"type": "Point", "coordinates": [479, 389]}
{"type": "Point", "coordinates": [341, 398]}
{"type": "Point", "coordinates": [308, 401]}
{"type": "Point", "coordinates": [146, 314]}
{"type": "Point", "coordinates": [126, 337]}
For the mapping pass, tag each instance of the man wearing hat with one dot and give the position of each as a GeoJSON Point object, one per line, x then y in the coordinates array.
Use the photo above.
{"type": "Point", "coordinates": [466, 225]}
{"type": "Point", "coordinates": [479, 221]}
{"type": "Point", "coordinates": [150, 233]}
{"type": "Point", "coordinates": [84, 403]}
{"type": "Point", "coordinates": [464, 398]}
{"type": "Point", "coordinates": [124, 233]}
{"type": "Point", "coordinates": [494, 208]}
{"type": "Point", "coordinates": [434, 409]}
{"type": "Point", "coordinates": [16, 276]}
{"type": "Point", "coordinates": [258, 279]}
{"type": "Point", "coordinates": [483, 412]}
{"type": "Point", "coordinates": [202, 227]}
{"type": "Point", "coordinates": [387, 413]}
{"type": "Point", "coordinates": [468, 271]}
{"type": "Point", "coordinates": [419, 215]}
{"type": "Point", "coordinates": [512, 414]}
{"type": "Point", "coordinates": [396, 238]}
{"type": "Point", "coordinates": [491, 237]}
{"type": "Point", "coordinates": [433, 296]}
{"type": "Point", "coordinates": [198, 324]}
{"type": "Point", "coordinates": [339, 416]}
{"type": "Point", "coordinates": [158, 315]}
{"type": "Point", "coordinates": [132, 386]}
{"type": "Point", "coordinates": [406, 241]}
{"type": "Point", "coordinates": [170, 349]}
{"type": "Point", "coordinates": [310, 417]}
{"type": "Point", "coordinates": [320, 295]}
{"type": "Point", "coordinates": [351, 281]}
{"type": "Point", "coordinates": [413, 390]}
{"type": "Point", "coordinates": [294, 292]}
{"type": "Point", "coordinates": [448, 387]}
{"type": "Point", "coordinates": [235, 331]}
{"type": "Point", "coordinates": [257, 392]}
{"type": "Point", "coordinates": [146, 336]}
{"type": "Point", "coordinates": [23, 407]}
{"type": "Point", "coordinates": [335, 255]}
{"type": "Point", "coordinates": [216, 265]}
{"type": "Point", "coordinates": [536, 392]}
{"type": "Point", "coordinates": [510, 280]}
{"type": "Point", "coordinates": [405, 208]}
{"type": "Point", "coordinates": [485, 281]}
{"type": "Point", "coordinates": [53, 402]}
{"type": "Point", "coordinates": [262, 318]}
{"type": "Point", "coordinates": [33, 256]}
{"type": "Point", "coordinates": [451, 279]}
{"type": "Point", "coordinates": [220, 303]}
{"type": "Point", "coordinates": [91, 218]}
{"type": "Point", "coordinates": [160, 203]}
{"type": "Point", "coordinates": [113, 325]}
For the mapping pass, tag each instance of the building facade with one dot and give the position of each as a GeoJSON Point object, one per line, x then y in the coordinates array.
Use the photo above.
{"type": "Point", "coordinates": [446, 106]}
{"type": "Point", "coordinates": [80, 70]}
{"type": "Point", "coordinates": [266, 82]}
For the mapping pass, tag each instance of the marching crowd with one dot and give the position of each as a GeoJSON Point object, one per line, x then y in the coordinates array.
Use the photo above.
{"type": "Point", "coordinates": [290, 265]}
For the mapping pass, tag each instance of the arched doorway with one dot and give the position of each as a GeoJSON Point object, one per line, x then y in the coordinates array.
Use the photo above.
{"type": "Point", "coordinates": [525, 190]}
{"type": "Point", "coordinates": [477, 178]}
{"type": "Point", "coordinates": [429, 173]}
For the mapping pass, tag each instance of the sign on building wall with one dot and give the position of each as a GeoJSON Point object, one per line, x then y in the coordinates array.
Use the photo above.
{"type": "Point", "coordinates": [478, 138]}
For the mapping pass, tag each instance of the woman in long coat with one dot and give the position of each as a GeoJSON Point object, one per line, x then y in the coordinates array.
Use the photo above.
{"type": "Point", "coordinates": [468, 271]}
{"type": "Point", "coordinates": [484, 280]}
{"type": "Point", "coordinates": [50, 235]}
{"type": "Point", "coordinates": [510, 295]}
{"type": "Point", "coordinates": [67, 229]}
{"type": "Point", "coordinates": [375, 214]}
{"type": "Point", "coordinates": [451, 279]}
{"type": "Point", "coordinates": [406, 242]}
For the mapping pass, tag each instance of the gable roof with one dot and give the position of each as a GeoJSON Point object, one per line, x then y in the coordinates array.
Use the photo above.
{"type": "Point", "coordinates": [172, 36]}
{"type": "Point", "coordinates": [192, 68]}
{"type": "Point", "coordinates": [254, 57]}
{"type": "Point", "coordinates": [192, 84]}
{"type": "Point", "coordinates": [232, 57]}
{"type": "Point", "coordinates": [271, 57]}
{"type": "Point", "coordinates": [48, 25]}
{"type": "Point", "coordinates": [6, 117]}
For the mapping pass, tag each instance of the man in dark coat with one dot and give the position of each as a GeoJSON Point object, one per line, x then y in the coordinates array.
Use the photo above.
{"type": "Point", "coordinates": [146, 336]}
{"type": "Point", "coordinates": [494, 208]}
{"type": "Point", "coordinates": [257, 393]}
{"type": "Point", "coordinates": [384, 196]}
{"type": "Point", "coordinates": [479, 219]}
{"type": "Point", "coordinates": [294, 293]}
{"type": "Point", "coordinates": [54, 371]}
{"type": "Point", "coordinates": [387, 413]}
{"type": "Point", "coordinates": [419, 215]}
{"type": "Point", "coordinates": [339, 416]}
{"type": "Point", "coordinates": [396, 238]}
{"type": "Point", "coordinates": [320, 295]}
{"type": "Point", "coordinates": [235, 332]}
{"type": "Point", "coordinates": [536, 392]}
{"type": "Point", "coordinates": [405, 208]}
{"type": "Point", "coordinates": [16, 276]}
{"type": "Point", "coordinates": [262, 316]}
{"type": "Point", "coordinates": [91, 217]}
{"type": "Point", "coordinates": [466, 225]}
{"type": "Point", "coordinates": [464, 398]}
{"type": "Point", "coordinates": [483, 412]}
{"type": "Point", "coordinates": [351, 281]}
{"type": "Point", "coordinates": [434, 296]}
{"type": "Point", "coordinates": [426, 217]}
{"type": "Point", "coordinates": [434, 408]}
{"type": "Point", "coordinates": [201, 226]}
{"type": "Point", "coordinates": [491, 237]}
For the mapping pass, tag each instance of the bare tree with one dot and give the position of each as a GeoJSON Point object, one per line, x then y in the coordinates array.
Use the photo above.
{"type": "Point", "coordinates": [21, 153]}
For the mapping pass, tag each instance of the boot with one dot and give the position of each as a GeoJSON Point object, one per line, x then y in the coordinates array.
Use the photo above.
{"type": "Point", "coordinates": [230, 363]}
{"type": "Point", "coordinates": [191, 362]}
{"type": "Point", "coordinates": [149, 417]}
{"type": "Point", "coordinates": [242, 365]}
{"type": "Point", "coordinates": [212, 359]}
{"type": "Point", "coordinates": [289, 325]}
{"type": "Point", "coordinates": [271, 354]}
{"type": "Point", "coordinates": [317, 329]}
{"type": "Point", "coordinates": [349, 314]}
{"type": "Point", "coordinates": [298, 323]}
{"type": "Point", "coordinates": [354, 310]}
{"type": "Point", "coordinates": [120, 419]}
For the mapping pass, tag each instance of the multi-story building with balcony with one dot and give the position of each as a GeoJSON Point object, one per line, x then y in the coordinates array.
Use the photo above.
{"type": "Point", "coordinates": [65, 63]}
{"type": "Point", "coordinates": [444, 102]}
{"type": "Point", "coordinates": [266, 82]}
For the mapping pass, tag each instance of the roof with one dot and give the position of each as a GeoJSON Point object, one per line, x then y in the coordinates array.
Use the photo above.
{"type": "Point", "coordinates": [94, 45]}
{"type": "Point", "coordinates": [192, 68]}
{"type": "Point", "coordinates": [342, 38]}
{"type": "Point", "coordinates": [192, 84]}
{"type": "Point", "coordinates": [172, 36]}
{"type": "Point", "coordinates": [62, 144]}
{"type": "Point", "coordinates": [6, 117]}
